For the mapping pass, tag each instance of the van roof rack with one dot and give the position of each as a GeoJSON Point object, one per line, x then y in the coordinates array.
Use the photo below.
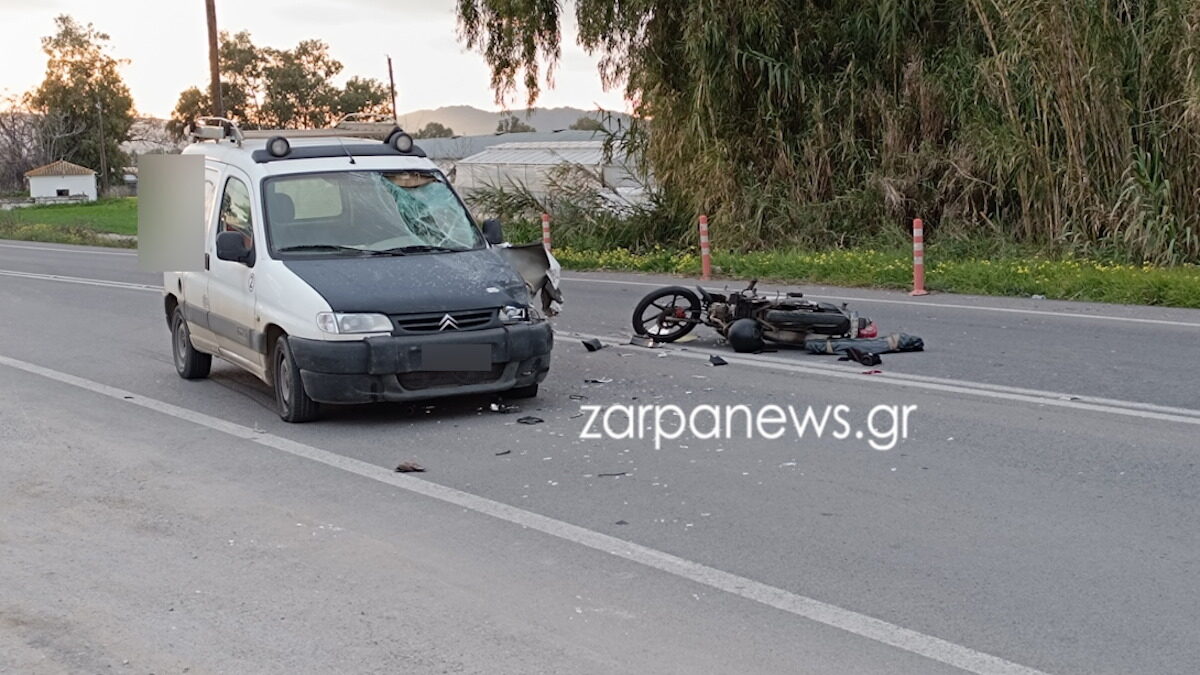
{"type": "Point", "coordinates": [354, 125]}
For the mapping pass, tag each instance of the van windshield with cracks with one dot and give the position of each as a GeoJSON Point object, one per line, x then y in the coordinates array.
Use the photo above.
{"type": "Point", "coordinates": [366, 213]}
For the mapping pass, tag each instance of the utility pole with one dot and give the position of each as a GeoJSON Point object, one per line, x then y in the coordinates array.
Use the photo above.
{"type": "Point", "coordinates": [214, 63]}
{"type": "Point", "coordinates": [392, 82]}
{"type": "Point", "coordinates": [103, 156]}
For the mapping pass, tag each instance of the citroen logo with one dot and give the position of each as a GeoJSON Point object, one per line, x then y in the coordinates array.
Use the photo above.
{"type": "Point", "coordinates": [448, 323]}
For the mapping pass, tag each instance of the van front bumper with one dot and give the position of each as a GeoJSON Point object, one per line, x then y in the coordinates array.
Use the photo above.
{"type": "Point", "coordinates": [389, 368]}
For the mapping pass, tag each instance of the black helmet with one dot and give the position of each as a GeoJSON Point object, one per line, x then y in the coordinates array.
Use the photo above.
{"type": "Point", "coordinates": [745, 335]}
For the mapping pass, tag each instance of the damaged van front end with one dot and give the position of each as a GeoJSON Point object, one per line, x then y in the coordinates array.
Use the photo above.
{"type": "Point", "coordinates": [449, 324]}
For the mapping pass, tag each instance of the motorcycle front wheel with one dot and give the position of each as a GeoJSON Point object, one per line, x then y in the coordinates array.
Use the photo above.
{"type": "Point", "coordinates": [667, 314]}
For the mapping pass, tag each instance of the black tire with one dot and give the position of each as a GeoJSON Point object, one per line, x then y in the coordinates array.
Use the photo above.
{"type": "Point", "coordinates": [189, 363]}
{"type": "Point", "coordinates": [745, 336]}
{"type": "Point", "coordinates": [667, 314]}
{"type": "Point", "coordinates": [528, 391]}
{"type": "Point", "coordinates": [292, 401]}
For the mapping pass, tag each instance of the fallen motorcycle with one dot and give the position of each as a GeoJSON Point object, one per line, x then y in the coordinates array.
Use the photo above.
{"type": "Point", "coordinates": [748, 319]}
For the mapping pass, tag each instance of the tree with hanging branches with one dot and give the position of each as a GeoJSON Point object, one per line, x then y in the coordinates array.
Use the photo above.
{"type": "Point", "coordinates": [1073, 125]}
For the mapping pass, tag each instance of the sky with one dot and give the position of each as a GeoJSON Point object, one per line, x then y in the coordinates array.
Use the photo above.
{"type": "Point", "coordinates": [166, 44]}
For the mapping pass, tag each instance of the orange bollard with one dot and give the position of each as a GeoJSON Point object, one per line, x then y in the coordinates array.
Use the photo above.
{"type": "Point", "coordinates": [918, 258]}
{"type": "Point", "coordinates": [705, 251]}
{"type": "Point", "coordinates": [546, 230]}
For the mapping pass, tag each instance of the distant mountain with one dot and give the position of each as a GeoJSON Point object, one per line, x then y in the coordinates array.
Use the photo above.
{"type": "Point", "coordinates": [466, 120]}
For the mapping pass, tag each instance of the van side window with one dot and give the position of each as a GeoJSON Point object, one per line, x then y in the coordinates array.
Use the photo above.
{"type": "Point", "coordinates": [235, 211]}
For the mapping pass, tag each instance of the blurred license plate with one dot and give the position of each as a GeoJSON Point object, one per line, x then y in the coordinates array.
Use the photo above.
{"type": "Point", "coordinates": [456, 357]}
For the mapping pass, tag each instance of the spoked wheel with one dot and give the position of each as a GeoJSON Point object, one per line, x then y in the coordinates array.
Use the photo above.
{"type": "Point", "coordinates": [667, 314]}
{"type": "Point", "coordinates": [290, 396]}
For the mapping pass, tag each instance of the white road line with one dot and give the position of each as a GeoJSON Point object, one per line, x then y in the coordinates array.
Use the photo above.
{"type": "Point", "coordinates": [67, 250]}
{"type": "Point", "coordinates": [81, 280]}
{"type": "Point", "coordinates": [858, 624]}
{"type": "Point", "coordinates": [1110, 406]}
{"type": "Point", "coordinates": [921, 303]}
{"type": "Point", "coordinates": [1134, 408]}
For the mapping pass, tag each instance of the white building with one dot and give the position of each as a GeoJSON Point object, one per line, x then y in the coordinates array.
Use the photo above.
{"type": "Point", "coordinates": [531, 166]}
{"type": "Point", "coordinates": [61, 181]}
{"type": "Point", "coordinates": [446, 152]}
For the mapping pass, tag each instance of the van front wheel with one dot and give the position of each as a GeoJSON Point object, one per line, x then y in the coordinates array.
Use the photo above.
{"type": "Point", "coordinates": [293, 402]}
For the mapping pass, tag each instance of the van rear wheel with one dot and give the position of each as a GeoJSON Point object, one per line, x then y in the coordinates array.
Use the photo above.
{"type": "Point", "coordinates": [189, 363]}
{"type": "Point", "coordinates": [292, 401]}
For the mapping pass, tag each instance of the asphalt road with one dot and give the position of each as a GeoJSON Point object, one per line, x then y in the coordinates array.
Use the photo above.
{"type": "Point", "coordinates": [1040, 516]}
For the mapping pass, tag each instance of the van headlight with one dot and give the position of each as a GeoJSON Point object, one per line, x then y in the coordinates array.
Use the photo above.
{"type": "Point", "coordinates": [341, 324]}
{"type": "Point", "coordinates": [519, 314]}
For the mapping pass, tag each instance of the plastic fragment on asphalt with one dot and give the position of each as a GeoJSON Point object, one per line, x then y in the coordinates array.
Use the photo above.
{"type": "Point", "coordinates": [409, 467]}
{"type": "Point", "coordinates": [872, 372]}
{"type": "Point", "coordinates": [615, 474]}
{"type": "Point", "coordinates": [643, 341]}
{"type": "Point", "coordinates": [593, 345]}
{"type": "Point", "coordinates": [598, 380]}
{"type": "Point", "coordinates": [530, 420]}
{"type": "Point", "coordinates": [503, 408]}
{"type": "Point", "coordinates": [717, 361]}
{"type": "Point", "coordinates": [503, 452]}
{"type": "Point", "coordinates": [687, 338]}
{"type": "Point", "coordinates": [622, 522]}
{"type": "Point", "coordinates": [577, 397]}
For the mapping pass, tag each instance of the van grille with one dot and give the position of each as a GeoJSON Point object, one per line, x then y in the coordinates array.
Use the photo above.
{"type": "Point", "coordinates": [426, 379]}
{"type": "Point", "coordinates": [433, 322]}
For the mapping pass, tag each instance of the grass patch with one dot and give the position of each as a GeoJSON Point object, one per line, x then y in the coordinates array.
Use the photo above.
{"type": "Point", "coordinates": [118, 216]}
{"type": "Point", "coordinates": [60, 234]}
{"type": "Point", "coordinates": [1011, 275]}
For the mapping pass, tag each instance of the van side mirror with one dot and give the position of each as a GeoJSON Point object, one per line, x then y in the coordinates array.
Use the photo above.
{"type": "Point", "coordinates": [493, 232]}
{"type": "Point", "coordinates": [231, 246]}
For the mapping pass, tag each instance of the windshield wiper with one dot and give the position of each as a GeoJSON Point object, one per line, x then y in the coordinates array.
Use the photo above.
{"type": "Point", "coordinates": [420, 248]}
{"type": "Point", "coordinates": [328, 247]}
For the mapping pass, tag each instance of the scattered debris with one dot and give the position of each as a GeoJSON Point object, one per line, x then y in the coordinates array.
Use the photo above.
{"type": "Point", "coordinates": [530, 419]}
{"type": "Point", "coordinates": [642, 341]}
{"type": "Point", "coordinates": [622, 522]}
{"type": "Point", "coordinates": [616, 474]}
{"type": "Point", "coordinates": [598, 380]}
{"type": "Point", "coordinates": [503, 452]}
{"type": "Point", "coordinates": [872, 372]}
{"type": "Point", "coordinates": [687, 338]}
{"type": "Point", "coordinates": [1039, 297]}
{"type": "Point", "coordinates": [572, 417]}
{"type": "Point", "coordinates": [504, 407]}
{"type": "Point", "coordinates": [577, 397]}
{"type": "Point", "coordinates": [593, 345]}
{"type": "Point", "coordinates": [409, 467]}
{"type": "Point", "coordinates": [717, 361]}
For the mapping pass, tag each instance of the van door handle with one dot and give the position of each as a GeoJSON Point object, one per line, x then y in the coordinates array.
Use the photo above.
{"type": "Point", "coordinates": [205, 262]}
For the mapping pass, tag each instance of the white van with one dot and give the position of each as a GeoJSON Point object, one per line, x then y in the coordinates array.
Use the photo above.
{"type": "Point", "coordinates": [340, 266]}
